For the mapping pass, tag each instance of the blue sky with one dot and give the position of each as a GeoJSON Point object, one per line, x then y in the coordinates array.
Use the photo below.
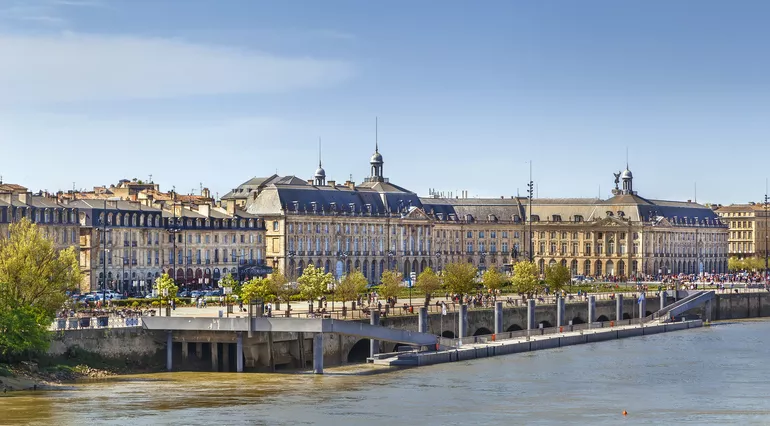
{"type": "Point", "coordinates": [215, 92]}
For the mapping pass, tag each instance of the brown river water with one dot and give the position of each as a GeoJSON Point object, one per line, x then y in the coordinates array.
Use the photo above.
{"type": "Point", "coordinates": [714, 375]}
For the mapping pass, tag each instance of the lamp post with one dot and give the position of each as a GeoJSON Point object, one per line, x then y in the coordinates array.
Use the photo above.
{"type": "Point", "coordinates": [530, 190]}
{"type": "Point", "coordinates": [766, 230]}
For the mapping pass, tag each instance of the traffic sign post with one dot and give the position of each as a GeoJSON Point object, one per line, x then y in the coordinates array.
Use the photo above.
{"type": "Point", "coordinates": [412, 279]}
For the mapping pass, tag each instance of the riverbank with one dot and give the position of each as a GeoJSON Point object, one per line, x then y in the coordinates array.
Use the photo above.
{"type": "Point", "coordinates": [29, 376]}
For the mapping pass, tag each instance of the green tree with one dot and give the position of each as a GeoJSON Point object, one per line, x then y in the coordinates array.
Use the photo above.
{"type": "Point", "coordinates": [525, 277]}
{"type": "Point", "coordinates": [460, 278]}
{"type": "Point", "coordinates": [23, 330]}
{"type": "Point", "coordinates": [257, 288]}
{"type": "Point", "coordinates": [165, 287]}
{"type": "Point", "coordinates": [351, 286]}
{"type": "Point", "coordinates": [278, 283]}
{"type": "Point", "coordinates": [493, 280]}
{"type": "Point", "coordinates": [428, 283]}
{"type": "Point", "coordinates": [33, 272]}
{"type": "Point", "coordinates": [734, 264]}
{"type": "Point", "coordinates": [557, 276]}
{"type": "Point", "coordinates": [390, 284]}
{"type": "Point", "coordinates": [232, 283]}
{"type": "Point", "coordinates": [313, 282]}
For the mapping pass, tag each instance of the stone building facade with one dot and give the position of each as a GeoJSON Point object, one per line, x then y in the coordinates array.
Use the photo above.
{"type": "Point", "coordinates": [748, 231]}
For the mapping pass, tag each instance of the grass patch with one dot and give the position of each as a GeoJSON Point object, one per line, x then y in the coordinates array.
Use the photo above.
{"type": "Point", "coordinates": [5, 371]}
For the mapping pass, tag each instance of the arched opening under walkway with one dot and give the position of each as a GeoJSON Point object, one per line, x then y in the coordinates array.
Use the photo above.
{"type": "Point", "coordinates": [360, 351]}
{"type": "Point", "coordinates": [514, 327]}
{"type": "Point", "coordinates": [545, 324]}
{"type": "Point", "coordinates": [577, 320]}
{"type": "Point", "coordinates": [483, 331]}
{"type": "Point", "coordinates": [602, 318]}
{"type": "Point", "coordinates": [626, 316]}
{"type": "Point", "coordinates": [400, 347]}
{"type": "Point", "coordinates": [448, 334]}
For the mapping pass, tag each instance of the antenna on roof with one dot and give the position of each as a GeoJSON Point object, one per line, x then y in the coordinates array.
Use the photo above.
{"type": "Point", "coordinates": [319, 152]}
{"type": "Point", "coordinates": [376, 135]}
{"type": "Point", "coordinates": [626, 158]}
{"type": "Point", "coordinates": [696, 193]}
{"type": "Point", "coordinates": [150, 177]}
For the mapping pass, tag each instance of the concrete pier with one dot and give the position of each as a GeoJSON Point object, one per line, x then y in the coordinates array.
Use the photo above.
{"type": "Point", "coordinates": [422, 320]}
{"type": "Point", "coordinates": [531, 314]}
{"type": "Point", "coordinates": [318, 353]}
{"type": "Point", "coordinates": [560, 312]}
{"type": "Point", "coordinates": [642, 307]}
{"type": "Point", "coordinates": [591, 309]}
{"type": "Point", "coordinates": [185, 352]}
{"type": "Point", "coordinates": [169, 350]}
{"type": "Point", "coordinates": [214, 356]}
{"type": "Point", "coordinates": [239, 353]}
{"type": "Point", "coordinates": [663, 296]}
{"type": "Point", "coordinates": [618, 307]}
{"type": "Point", "coordinates": [226, 357]}
{"type": "Point", "coordinates": [374, 345]}
{"type": "Point", "coordinates": [462, 326]}
{"type": "Point", "coordinates": [498, 317]}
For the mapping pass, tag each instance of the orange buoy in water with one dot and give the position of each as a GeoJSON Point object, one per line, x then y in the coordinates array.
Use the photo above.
{"type": "Point", "coordinates": [625, 413]}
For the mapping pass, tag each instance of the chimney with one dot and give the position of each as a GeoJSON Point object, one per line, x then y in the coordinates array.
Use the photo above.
{"type": "Point", "coordinates": [310, 181]}
{"type": "Point", "coordinates": [231, 207]}
{"type": "Point", "coordinates": [333, 183]}
{"type": "Point", "coordinates": [23, 197]}
{"type": "Point", "coordinates": [206, 193]}
{"type": "Point", "coordinates": [204, 209]}
{"type": "Point", "coordinates": [350, 184]}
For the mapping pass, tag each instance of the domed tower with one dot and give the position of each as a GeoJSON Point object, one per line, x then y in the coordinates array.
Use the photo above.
{"type": "Point", "coordinates": [628, 181]}
{"type": "Point", "coordinates": [376, 160]}
{"type": "Point", "coordinates": [320, 173]}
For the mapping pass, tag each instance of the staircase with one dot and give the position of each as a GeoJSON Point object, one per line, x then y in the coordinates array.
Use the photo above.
{"type": "Point", "coordinates": [681, 306]}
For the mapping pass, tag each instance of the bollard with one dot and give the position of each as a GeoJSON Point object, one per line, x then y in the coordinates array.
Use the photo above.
{"type": "Point", "coordinates": [463, 321]}
{"type": "Point", "coordinates": [530, 314]}
{"type": "Point", "coordinates": [498, 317]}
{"type": "Point", "coordinates": [374, 347]}
{"type": "Point", "coordinates": [422, 320]}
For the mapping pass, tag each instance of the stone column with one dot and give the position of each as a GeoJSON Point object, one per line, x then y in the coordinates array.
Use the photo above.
{"type": "Point", "coordinates": [591, 309]}
{"type": "Point", "coordinates": [618, 307]}
{"type": "Point", "coordinates": [663, 296]}
{"type": "Point", "coordinates": [301, 350]}
{"type": "Point", "coordinates": [531, 314]}
{"type": "Point", "coordinates": [422, 320]}
{"type": "Point", "coordinates": [498, 317]}
{"type": "Point", "coordinates": [214, 357]}
{"type": "Point", "coordinates": [642, 308]}
{"type": "Point", "coordinates": [270, 351]}
{"type": "Point", "coordinates": [239, 353]}
{"type": "Point", "coordinates": [560, 311]}
{"type": "Point", "coordinates": [199, 351]}
{"type": "Point", "coordinates": [707, 310]}
{"type": "Point", "coordinates": [185, 352]}
{"type": "Point", "coordinates": [318, 353]}
{"type": "Point", "coordinates": [462, 325]}
{"type": "Point", "coordinates": [226, 357]}
{"type": "Point", "coordinates": [374, 319]}
{"type": "Point", "coordinates": [169, 350]}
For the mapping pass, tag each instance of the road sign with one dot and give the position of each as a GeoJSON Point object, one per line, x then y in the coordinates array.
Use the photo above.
{"type": "Point", "coordinates": [413, 276]}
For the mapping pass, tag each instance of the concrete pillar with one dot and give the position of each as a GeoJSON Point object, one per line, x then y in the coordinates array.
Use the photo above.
{"type": "Point", "coordinates": [422, 320]}
{"type": "Point", "coordinates": [301, 350]}
{"type": "Point", "coordinates": [250, 317]}
{"type": "Point", "coordinates": [498, 317]}
{"type": "Point", "coordinates": [169, 350]}
{"type": "Point", "coordinates": [618, 307]}
{"type": "Point", "coordinates": [318, 353]}
{"type": "Point", "coordinates": [199, 350]}
{"type": "Point", "coordinates": [185, 352]}
{"type": "Point", "coordinates": [663, 296]}
{"type": "Point", "coordinates": [239, 353]}
{"type": "Point", "coordinates": [270, 351]}
{"type": "Point", "coordinates": [591, 309]}
{"type": "Point", "coordinates": [374, 347]}
{"type": "Point", "coordinates": [226, 357]}
{"type": "Point", "coordinates": [560, 311]}
{"type": "Point", "coordinates": [643, 308]}
{"type": "Point", "coordinates": [531, 314]}
{"type": "Point", "coordinates": [462, 318]}
{"type": "Point", "coordinates": [707, 311]}
{"type": "Point", "coordinates": [214, 357]}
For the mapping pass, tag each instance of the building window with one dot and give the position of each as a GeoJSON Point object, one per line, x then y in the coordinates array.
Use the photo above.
{"type": "Point", "coordinates": [275, 226]}
{"type": "Point", "coordinates": [505, 234]}
{"type": "Point", "coordinates": [470, 247]}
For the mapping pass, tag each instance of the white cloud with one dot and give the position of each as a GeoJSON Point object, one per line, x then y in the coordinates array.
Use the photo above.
{"type": "Point", "coordinates": [76, 67]}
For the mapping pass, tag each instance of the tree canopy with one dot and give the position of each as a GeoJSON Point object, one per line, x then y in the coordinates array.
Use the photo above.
{"type": "Point", "coordinates": [557, 277]}
{"type": "Point", "coordinates": [164, 284]}
{"type": "Point", "coordinates": [313, 282]}
{"type": "Point", "coordinates": [460, 278]}
{"type": "Point", "coordinates": [390, 284]}
{"type": "Point", "coordinates": [33, 272]}
{"type": "Point", "coordinates": [525, 277]}
{"type": "Point", "coordinates": [493, 279]}
{"type": "Point", "coordinates": [34, 279]}
{"type": "Point", "coordinates": [351, 286]}
{"type": "Point", "coordinates": [428, 282]}
{"type": "Point", "coordinates": [257, 288]}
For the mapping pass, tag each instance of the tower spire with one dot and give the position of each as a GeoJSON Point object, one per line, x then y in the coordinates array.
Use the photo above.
{"type": "Point", "coordinates": [376, 135]}
{"type": "Point", "coordinates": [319, 152]}
{"type": "Point", "coordinates": [626, 158]}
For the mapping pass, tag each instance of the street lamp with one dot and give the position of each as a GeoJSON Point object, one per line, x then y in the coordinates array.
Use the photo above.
{"type": "Point", "coordinates": [530, 192]}
{"type": "Point", "coordinates": [766, 230]}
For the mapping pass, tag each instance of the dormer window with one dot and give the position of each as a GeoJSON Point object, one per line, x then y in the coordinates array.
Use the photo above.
{"type": "Point", "coordinates": [556, 218]}
{"type": "Point", "coordinates": [578, 218]}
{"type": "Point", "coordinates": [535, 218]}
{"type": "Point", "coordinates": [610, 214]}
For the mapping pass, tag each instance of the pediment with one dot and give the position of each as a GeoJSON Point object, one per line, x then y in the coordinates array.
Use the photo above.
{"type": "Point", "coordinates": [416, 213]}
